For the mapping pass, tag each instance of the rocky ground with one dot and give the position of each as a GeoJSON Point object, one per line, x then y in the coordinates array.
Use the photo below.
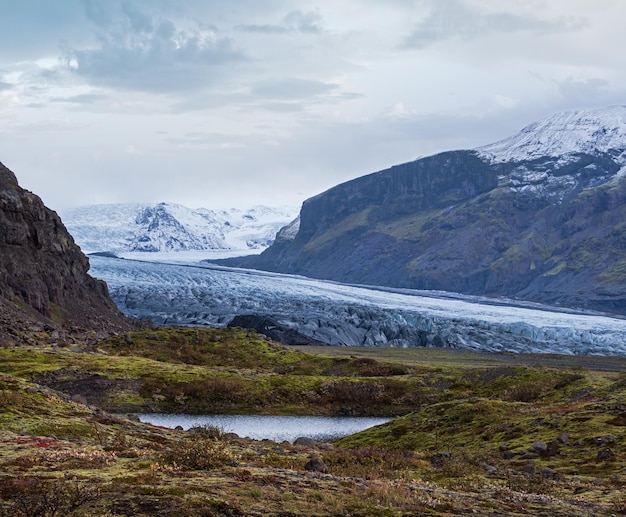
{"type": "Point", "coordinates": [477, 437]}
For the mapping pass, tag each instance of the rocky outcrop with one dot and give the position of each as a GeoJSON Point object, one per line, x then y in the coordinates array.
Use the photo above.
{"type": "Point", "coordinates": [272, 329]}
{"type": "Point", "coordinates": [44, 285]}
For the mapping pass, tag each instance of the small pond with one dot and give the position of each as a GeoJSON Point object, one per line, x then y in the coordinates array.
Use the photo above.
{"type": "Point", "coordinates": [276, 428]}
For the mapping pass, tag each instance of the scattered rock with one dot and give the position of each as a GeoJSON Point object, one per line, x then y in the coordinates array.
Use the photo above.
{"type": "Point", "coordinates": [78, 398]}
{"type": "Point", "coordinates": [605, 454]}
{"type": "Point", "coordinates": [603, 440]}
{"type": "Point", "coordinates": [554, 448]}
{"type": "Point", "coordinates": [305, 442]}
{"type": "Point", "coordinates": [316, 465]}
{"type": "Point", "coordinates": [529, 469]}
{"type": "Point", "coordinates": [580, 394]}
{"type": "Point", "coordinates": [563, 438]}
{"type": "Point", "coordinates": [438, 459]}
{"type": "Point", "coordinates": [548, 473]}
{"type": "Point", "coordinates": [540, 448]}
{"type": "Point", "coordinates": [507, 455]}
{"type": "Point", "coordinates": [490, 470]}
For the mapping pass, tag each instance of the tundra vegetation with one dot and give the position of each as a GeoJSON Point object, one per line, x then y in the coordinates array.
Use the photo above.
{"type": "Point", "coordinates": [482, 434]}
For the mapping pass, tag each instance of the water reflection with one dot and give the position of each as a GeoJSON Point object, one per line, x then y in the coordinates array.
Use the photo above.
{"type": "Point", "coordinates": [276, 428]}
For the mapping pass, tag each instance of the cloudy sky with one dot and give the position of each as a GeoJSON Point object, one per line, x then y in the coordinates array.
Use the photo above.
{"type": "Point", "coordinates": [213, 103]}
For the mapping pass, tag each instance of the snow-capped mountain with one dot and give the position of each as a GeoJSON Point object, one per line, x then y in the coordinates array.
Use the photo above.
{"type": "Point", "coordinates": [565, 134]}
{"type": "Point", "coordinates": [340, 314]}
{"type": "Point", "coordinates": [167, 227]}
{"type": "Point", "coordinates": [543, 152]}
{"type": "Point", "coordinates": [537, 216]}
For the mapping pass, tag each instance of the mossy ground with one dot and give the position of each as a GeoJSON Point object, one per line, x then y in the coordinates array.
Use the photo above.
{"type": "Point", "coordinates": [464, 445]}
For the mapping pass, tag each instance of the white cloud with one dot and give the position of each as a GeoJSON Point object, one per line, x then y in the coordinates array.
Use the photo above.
{"type": "Point", "coordinates": [458, 19]}
{"type": "Point", "coordinates": [228, 103]}
{"type": "Point", "coordinates": [159, 58]}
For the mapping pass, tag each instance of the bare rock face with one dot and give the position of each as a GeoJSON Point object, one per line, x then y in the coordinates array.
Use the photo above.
{"type": "Point", "coordinates": [43, 274]}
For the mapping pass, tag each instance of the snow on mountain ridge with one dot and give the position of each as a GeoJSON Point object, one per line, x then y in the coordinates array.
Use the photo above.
{"type": "Point", "coordinates": [583, 131]}
{"type": "Point", "coordinates": [165, 227]}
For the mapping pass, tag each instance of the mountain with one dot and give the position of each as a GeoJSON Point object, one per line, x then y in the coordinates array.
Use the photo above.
{"type": "Point", "coordinates": [168, 227]}
{"type": "Point", "coordinates": [44, 285]}
{"type": "Point", "coordinates": [539, 216]}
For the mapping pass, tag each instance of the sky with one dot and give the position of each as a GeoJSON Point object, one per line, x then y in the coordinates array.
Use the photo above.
{"type": "Point", "coordinates": [221, 104]}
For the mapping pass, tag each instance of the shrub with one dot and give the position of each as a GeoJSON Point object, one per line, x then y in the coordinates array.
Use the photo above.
{"type": "Point", "coordinates": [199, 453]}
{"type": "Point", "coordinates": [34, 497]}
{"type": "Point", "coordinates": [352, 392]}
{"type": "Point", "coordinates": [369, 461]}
{"type": "Point", "coordinates": [524, 393]}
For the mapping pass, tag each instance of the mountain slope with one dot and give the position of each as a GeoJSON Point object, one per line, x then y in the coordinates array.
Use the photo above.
{"type": "Point", "coordinates": [170, 227]}
{"type": "Point", "coordinates": [538, 216]}
{"type": "Point", "coordinates": [43, 274]}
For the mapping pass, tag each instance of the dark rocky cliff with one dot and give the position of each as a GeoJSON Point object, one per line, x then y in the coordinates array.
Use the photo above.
{"type": "Point", "coordinates": [539, 230]}
{"type": "Point", "coordinates": [44, 285]}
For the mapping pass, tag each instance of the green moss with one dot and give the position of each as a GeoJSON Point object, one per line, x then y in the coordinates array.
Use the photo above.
{"type": "Point", "coordinates": [409, 228]}
{"type": "Point", "coordinates": [70, 430]}
{"type": "Point", "coordinates": [556, 270]}
{"type": "Point", "coordinates": [57, 313]}
{"type": "Point", "coordinates": [616, 273]}
{"type": "Point", "coordinates": [350, 223]}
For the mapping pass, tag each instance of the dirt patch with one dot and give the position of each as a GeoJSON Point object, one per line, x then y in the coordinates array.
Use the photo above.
{"type": "Point", "coordinates": [95, 388]}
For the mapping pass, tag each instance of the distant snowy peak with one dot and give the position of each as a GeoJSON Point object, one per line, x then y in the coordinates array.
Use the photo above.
{"type": "Point", "coordinates": [585, 131]}
{"type": "Point", "coordinates": [166, 227]}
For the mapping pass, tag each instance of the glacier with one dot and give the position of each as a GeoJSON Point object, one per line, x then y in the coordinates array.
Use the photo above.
{"type": "Point", "coordinates": [168, 227]}
{"type": "Point", "coordinates": [352, 315]}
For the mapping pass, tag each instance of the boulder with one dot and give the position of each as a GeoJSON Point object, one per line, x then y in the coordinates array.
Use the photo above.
{"type": "Point", "coordinates": [316, 465]}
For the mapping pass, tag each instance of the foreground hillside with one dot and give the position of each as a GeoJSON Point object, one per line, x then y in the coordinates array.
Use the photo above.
{"type": "Point", "coordinates": [482, 434]}
{"type": "Point", "coordinates": [538, 216]}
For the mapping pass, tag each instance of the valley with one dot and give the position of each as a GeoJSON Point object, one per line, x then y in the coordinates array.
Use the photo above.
{"type": "Point", "coordinates": [474, 299]}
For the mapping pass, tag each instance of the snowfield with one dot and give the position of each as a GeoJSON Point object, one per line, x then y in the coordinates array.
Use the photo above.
{"type": "Point", "coordinates": [340, 314]}
{"type": "Point", "coordinates": [168, 227]}
{"type": "Point", "coordinates": [565, 134]}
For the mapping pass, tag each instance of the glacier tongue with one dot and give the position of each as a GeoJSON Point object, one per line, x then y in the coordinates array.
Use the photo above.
{"type": "Point", "coordinates": [349, 315]}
